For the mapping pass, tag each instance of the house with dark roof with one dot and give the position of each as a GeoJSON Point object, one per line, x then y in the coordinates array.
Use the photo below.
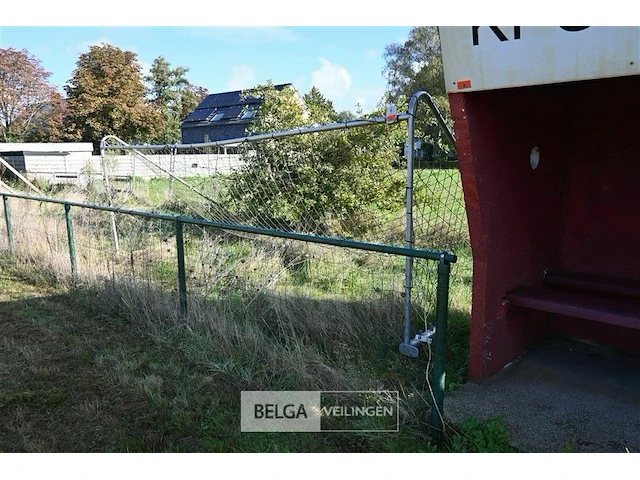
{"type": "Point", "coordinates": [222, 116]}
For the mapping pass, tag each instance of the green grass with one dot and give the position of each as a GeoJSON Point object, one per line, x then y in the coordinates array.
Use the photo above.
{"type": "Point", "coordinates": [112, 366]}
{"type": "Point", "coordinates": [81, 374]}
{"type": "Point", "coordinates": [84, 373]}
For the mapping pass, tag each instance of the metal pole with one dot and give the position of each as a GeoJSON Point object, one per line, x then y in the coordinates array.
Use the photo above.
{"type": "Point", "coordinates": [21, 177]}
{"type": "Point", "coordinates": [107, 186]}
{"type": "Point", "coordinates": [72, 243]}
{"type": "Point", "coordinates": [263, 136]}
{"type": "Point", "coordinates": [133, 174]}
{"type": "Point", "coordinates": [406, 348]}
{"type": "Point", "coordinates": [172, 167]}
{"type": "Point", "coordinates": [7, 217]}
{"type": "Point", "coordinates": [182, 274]}
{"type": "Point", "coordinates": [440, 347]}
{"type": "Point", "coordinates": [7, 187]}
{"type": "Point", "coordinates": [408, 277]}
{"type": "Point", "coordinates": [443, 125]}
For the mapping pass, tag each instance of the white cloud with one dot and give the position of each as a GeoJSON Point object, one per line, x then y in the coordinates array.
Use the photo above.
{"type": "Point", "coordinates": [331, 79]}
{"type": "Point", "coordinates": [372, 53]}
{"type": "Point", "coordinates": [367, 98]}
{"type": "Point", "coordinates": [242, 76]}
{"type": "Point", "coordinates": [335, 82]}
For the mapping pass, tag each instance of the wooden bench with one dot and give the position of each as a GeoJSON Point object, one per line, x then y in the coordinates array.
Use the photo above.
{"type": "Point", "coordinates": [593, 283]}
{"type": "Point", "coordinates": [592, 297]}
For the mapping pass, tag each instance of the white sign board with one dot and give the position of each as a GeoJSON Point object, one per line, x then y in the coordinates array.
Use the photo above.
{"type": "Point", "coordinates": [486, 58]}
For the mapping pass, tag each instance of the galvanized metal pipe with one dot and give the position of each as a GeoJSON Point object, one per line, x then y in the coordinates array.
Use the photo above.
{"type": "Point", "coordinates": [6, 187]}
{"type": "Point", "coordinates": [408, 280]}
{"type": "Point", "coordinates": [451, 139]}
{"type": "Point", "coordinates": [107, 187]}
{"type": "Point", "coordinates": [256, 138]}
{"type": "Point", "coordinates": [19, 175]}
{"type": "Point", "coordinates": [172, 166]}
{"type": "Point", "coordinates": [133, 174]}
{"type": "Point", "coordinates": [406, 346]}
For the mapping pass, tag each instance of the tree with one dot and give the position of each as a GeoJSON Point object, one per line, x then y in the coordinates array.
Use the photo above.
{"type": "Point", "coordinates": [346, 115]}
{"type": "Point", "coordinates": [323, 183]}
{"type": "Point", "coordinates": [50, 124]}
{"type": "Point", "coordinates": [280, 109]}
{"type": "Point", "coordinates": [416, 65]}
{"type": "Point", "coordinates": [27, 100]}
{"type": "Point", "coordinates": [320, 107]}
{"type": "Point", "coordinates": [173, 96]}
{"type": "Point", "coordinates": [106, 95]}
{"type": "Point", "coordinates": [191, 97]}
{"type": "Point", "coordinates": [166, 83]}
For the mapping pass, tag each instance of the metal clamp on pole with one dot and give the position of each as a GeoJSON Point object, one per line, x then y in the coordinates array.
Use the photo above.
{"type": "Point", "coordinates": [411, 349]}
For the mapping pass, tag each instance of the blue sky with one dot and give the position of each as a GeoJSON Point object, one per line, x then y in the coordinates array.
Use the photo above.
{"type": "Point", "coordinates": [345, 63]}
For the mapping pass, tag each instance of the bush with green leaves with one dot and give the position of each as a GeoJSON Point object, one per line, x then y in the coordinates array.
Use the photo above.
{"type": "Point", "coordinates": [336, 182]}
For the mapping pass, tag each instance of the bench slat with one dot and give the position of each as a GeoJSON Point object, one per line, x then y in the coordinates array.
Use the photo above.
{"type": "Point", "coordinates": [614, 312]}
{"type": "Point", "coordinates": [594, 283]}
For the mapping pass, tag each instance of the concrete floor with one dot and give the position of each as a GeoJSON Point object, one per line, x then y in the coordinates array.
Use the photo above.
{"type": "Point", "coordinates": [562, 396]}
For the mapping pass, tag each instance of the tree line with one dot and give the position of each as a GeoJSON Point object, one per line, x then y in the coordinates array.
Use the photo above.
{"type": "Point", "coordinates": [108, 94]}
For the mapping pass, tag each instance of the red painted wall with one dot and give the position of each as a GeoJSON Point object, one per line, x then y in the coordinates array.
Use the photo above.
{"type": "Point", "coordinates": [601, 228]}
{"type": "Point", "coordinates": [579, 210]}
{"type": "Point", "coordinates": [603, 197]}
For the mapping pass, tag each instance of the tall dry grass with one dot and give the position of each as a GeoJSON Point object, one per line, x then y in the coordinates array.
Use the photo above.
{"type": "Point", "coordinates": [263, 313]}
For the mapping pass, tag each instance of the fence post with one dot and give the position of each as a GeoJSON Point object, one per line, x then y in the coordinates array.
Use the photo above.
{"type": "Point", "coordinates": [109, 193]}
{"type": "Point", "coordinates": [72, 242]}
{"type": "Point", "coordinates": [7, 217]}
{"type": "Point", "coordinates": [172, 167]}
{"type": "Point", "coordinates": [133, 173]}
{"type": "Point", "coordinates": [182, 276]}
{"type": "Point", "coordinates": [440, 341]}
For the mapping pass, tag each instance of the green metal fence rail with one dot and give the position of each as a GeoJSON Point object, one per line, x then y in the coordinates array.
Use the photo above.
{"type": "Point", "coordinates": [332, 241]}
